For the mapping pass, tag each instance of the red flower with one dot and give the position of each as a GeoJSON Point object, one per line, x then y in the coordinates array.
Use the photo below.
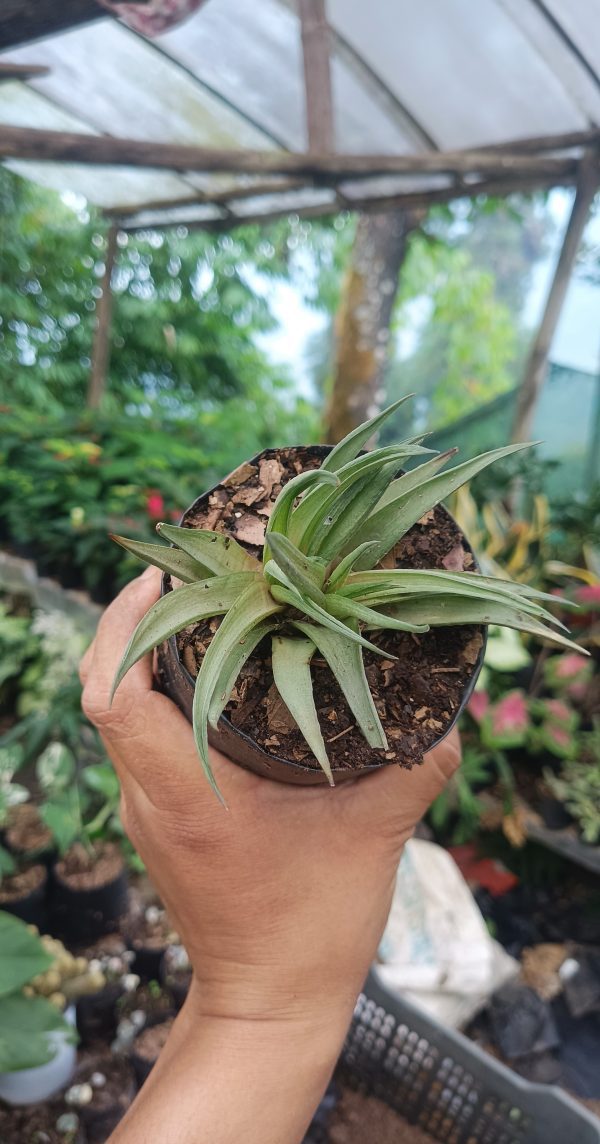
{"type": "Point", "coordinates": [155, 505]}
{"type": "Point", "coordinates": [588, 594]}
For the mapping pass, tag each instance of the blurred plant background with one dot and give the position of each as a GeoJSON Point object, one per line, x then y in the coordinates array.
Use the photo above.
{"type": "Point", "coordinates": [223, 344]}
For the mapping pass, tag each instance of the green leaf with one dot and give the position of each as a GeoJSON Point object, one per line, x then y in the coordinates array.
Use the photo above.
{"type": "Point", "coordinates": [229, 645]}
{"type": "Point", "coordinates": [279, 519]}
{"type": "Point", "coordinates": [343, 606]}
{"type": "Point", "coordinates": [308, 607]}
{"type": "Point", "coordinates": [346, 662]}
{"type": "Point", "coordinates": [28, 1028]}
{"type": "Point", "coordinates": [55, 767]}
{"type": "Point", "coordinates": [346, 565]}
{"type": "Point", "coordinates": [352, 444]}
{"type": "Point", "coordinates": [171, 560]}
{"type": "Point", "coordinates": [101, 779]}
{"type": "Point", "coordinates": [22, 954]}
{"type": "Point", "coordinates": [305, 573]}
{"type": "Point", "coordinates": [390, 523]}
{"type": "Point", "coordinates": [7, 864]}
{"type": "Point", "coordinates": [217, 552]}
{"type": "Point", "coordinates": [440, 612]}
{"type": "Point", "coordinates": [62, 816]}
{"type": "Point", "coordinates": [232, 665]}
{"type": "Point", "coordinates": [178, 609]}
{"type": "Point", "coordinates": [346, 515]}
{"type": "Point", "coordinates": [317, 505]}
{"type": "Point", "coordinates": [291, 672]}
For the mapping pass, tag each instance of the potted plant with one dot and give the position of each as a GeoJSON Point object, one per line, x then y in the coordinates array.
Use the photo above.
{"type": "Point", "coordinates": [147, 1048]}
{"type": "Point", "coordinates": [149, 935]}
{"type": "Point", "coordinates": [351, 568]}
{"type": "Point", "coordinates": [89, 880]}
{"type": "Point", "coordinates": [105, 1088]}
{"type": "Point", "coordinates": [22, 883]}
{"type": "Point", "coordinates": [37, 1053]}
{"type": "Point", "coordinates": [578, 786]}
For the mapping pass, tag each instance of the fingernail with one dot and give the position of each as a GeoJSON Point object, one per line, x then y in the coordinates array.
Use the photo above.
{"type": "Point", "coordinates": [150, 571]}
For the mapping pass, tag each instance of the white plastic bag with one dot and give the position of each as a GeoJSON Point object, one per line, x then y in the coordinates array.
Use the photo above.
{"type": "Point", "coordinates": [436, 950]}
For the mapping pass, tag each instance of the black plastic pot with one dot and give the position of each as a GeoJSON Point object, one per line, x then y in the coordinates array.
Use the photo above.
{"type": "Point", "coordinates": [107, 1109]}
{"type": "Point", "coordinates": [32, 907]}
{"type": "Point", "coordinates": [142, 1067]}
{"type": "Point", "coordinates": [554, 813]}
{"type": "Point", "coordinates": [97, 1016]}
{"type": "Point", "coordinates": [177, 982]}
{"type": "Point", "coordinates": [147, 961]}
{"type": "Point", "coordinates": [80, 916]}
{"type": "Point", "coordinates": [176, 682]}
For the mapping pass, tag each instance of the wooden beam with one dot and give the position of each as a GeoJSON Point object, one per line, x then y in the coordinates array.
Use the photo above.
{"type": "Point", "coordinates": [227, 197]}
{"type": "Point", "coordinates": [106, 150]}
{"type": "Point", "coordinates": [22, 71]}
{"type": "Point", "coordinates": [101, 343]}
{"type": "Point", "coordinates": [536, 368]}
{"type": "Point", "coordinates": [318, 98]}
{"type": "Point", "coordinates": [490, 187]}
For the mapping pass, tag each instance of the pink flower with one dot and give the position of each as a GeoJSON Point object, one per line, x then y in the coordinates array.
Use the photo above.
{"type": "Point", "coordinates": [478, 705]}
{"type": "Point", "coordinates": [569, 665]}
{"type": "Point", "coordinates": [510, 714]}
{"type": "Point", "coordinates": [155, 505]}
{"type": "Point", "coordinates": [559, 735]}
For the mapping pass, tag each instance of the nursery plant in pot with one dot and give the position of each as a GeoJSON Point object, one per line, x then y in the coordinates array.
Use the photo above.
{"type": "Point", "coordinates": [22, 883]}
{"type": "Point", "coordinates": [89, 880]}
{"type": "Point", "coordinates": [366, 589]}
{"type": "Point", "coordinates": [149, 934]}
{"type": "Point", "coordinates": [36, 1048]}
{"type": "Point", "coordinates": [577, 786]}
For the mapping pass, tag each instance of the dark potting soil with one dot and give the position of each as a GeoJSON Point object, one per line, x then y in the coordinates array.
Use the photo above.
{"type": "Point", "coordinates": [416, 696]}
{"type": "Point", "coordinates": [21, 884]}
{"type": "Point", "coordinates": [26, 831]}
{"type": "Point", "coordinates": [153, 999]}
{"type": "Point", "coordinates": [151, 1041]}
{"type": "Point", "coordinates": [35, 1125]}
{"type": "Point", "coordinates": [357, 1119]}
{"type": "Point", "coordinates": [82, 870]}
{"type": "Point", "coordinates": [117, 1089]}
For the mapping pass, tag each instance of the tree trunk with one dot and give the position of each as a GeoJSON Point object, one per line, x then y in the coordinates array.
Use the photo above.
{"type": "Point", "coordinates": [101, 343]}
{"type": "Point", "coordinates": [362, 325]}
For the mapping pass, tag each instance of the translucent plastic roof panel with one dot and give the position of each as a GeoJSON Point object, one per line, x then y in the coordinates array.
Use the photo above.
{"type": "Point", "coordinates": [291, 201]}
{"type": "Point", "coordinates": [581, 21]}
{"type": "Point", "coordinates": [188, 213]}
{"type": "Point", "coordinates": [464, 69]}
{"type": "Point", "coordinates": [252, 56]}
{"type": "Point", "coordinates": [123, 86]}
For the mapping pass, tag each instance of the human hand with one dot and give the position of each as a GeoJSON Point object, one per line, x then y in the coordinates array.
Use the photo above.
{"type": "Point", "coordinates": [281, 899]}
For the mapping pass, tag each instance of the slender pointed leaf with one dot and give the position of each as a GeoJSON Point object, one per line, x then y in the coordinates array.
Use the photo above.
{"type": "Point", "coordinates": [220, 553]}
{"type": "Point", "coordinates": [346, 662]}
{"type": "Point", "coordinates": [172, 560]}
{"type": "Point", "coordinates": [278, 521]}
{"type": "Point", "coordinates": [305, 573]}
{"type": "Point", "coordinates": [291, 672]}
{"type": "Point", "coordinates": [389, 524]}
{"type": "Point", "coordinates": [178, 609]}
{"type": "Point", "coordinates": [441, 613]}
{"type": "Point", "coordinates": [352, 444]}
{"type": "Point", "coordinates": [254, 605]}
{"type": "Point", "coordinates": [332, 538]}
{"type": "Point", "coordinates": [343, 606]}
{"type": "Point", "coordinates": [346, 565]}
{"type": "Point", "coordinates": [308, 607]}
{"type": "Point", "coordinates": [232, 666]}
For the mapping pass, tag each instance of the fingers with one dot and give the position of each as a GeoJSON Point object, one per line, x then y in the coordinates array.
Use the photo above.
{"type": "Point", "coordinates": [99, 664]}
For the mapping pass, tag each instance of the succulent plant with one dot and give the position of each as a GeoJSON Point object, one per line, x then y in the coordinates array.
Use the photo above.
{"type": "Point", "coordinates": [319, 587]}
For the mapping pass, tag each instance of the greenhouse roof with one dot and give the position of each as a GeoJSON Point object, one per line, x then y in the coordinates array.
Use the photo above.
{"type": "Point", "coordinates": [428, 100]}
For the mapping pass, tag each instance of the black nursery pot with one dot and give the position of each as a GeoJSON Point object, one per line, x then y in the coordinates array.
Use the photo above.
{"type": "Point", "coordinates": [142, 1063]}
{"type": "Point", "coordinates": [175, 680]}
{"type": "Point", "coordinates": [111, 1100]}
{"type": "Point", "coordinates": [147, 961]}
{"type": "Point", "coordinates": [31, 907]}
{"type": "Point", "coordinates": [82, 915]}
{"type": "Point", "coordinates": [554, 813]}
{"type": "Point", "coordinates": [96, 1014]}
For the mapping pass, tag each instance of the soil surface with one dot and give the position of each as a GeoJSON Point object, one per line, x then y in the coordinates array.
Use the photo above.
{"type": "Point", "coordinates": [417, 695]}
{"type": "Point", "coordinates": [35, 1125]}
{"type": "Point", "coordinates": [150, 1043]}
{"type": "Point", "coordinates": [118, 1088]}
{"type": "Point", "coordinates": [145, 934]}
{"type": "Point", "coordinates": [22, 884]}
{"type": "Point", "coordinates": [26, 831]}
{"type": "Point", "coordinates": [155, 1001]}
{"type": "Point", "coordinates": [82, 870]}
{"type": "Point", "coordinates": [357, 1119]}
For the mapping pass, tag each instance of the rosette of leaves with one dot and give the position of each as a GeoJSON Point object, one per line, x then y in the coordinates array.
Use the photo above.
{"type": "Point", "coordinates": [319, 586]}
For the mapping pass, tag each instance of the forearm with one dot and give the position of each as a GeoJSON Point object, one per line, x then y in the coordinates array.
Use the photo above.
{"type": "Point", "coordinates": [221, 1080]}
